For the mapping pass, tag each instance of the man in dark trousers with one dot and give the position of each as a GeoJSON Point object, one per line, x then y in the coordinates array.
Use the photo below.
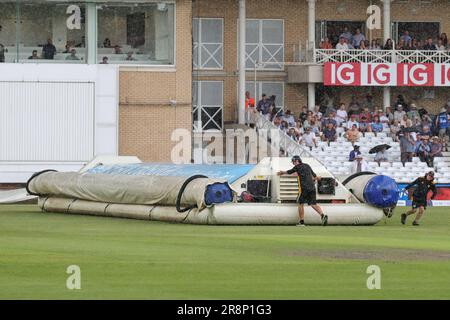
{"type": "Point", "coordinates": [307, 189]}
{"type": "Point", "coordinates": [422, 186]}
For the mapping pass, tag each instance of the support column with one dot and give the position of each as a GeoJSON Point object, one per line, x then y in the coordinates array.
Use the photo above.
{"type": "Point", "coordinates": [311, 23]}
{"type": "Point", "coordinates": [242, 27]}
{"type": "Point", "coordinates": [387, 34]}
{"type": "Point", "coordinates": [311, 43]}
{"type": "Point", "coordinates": [91, 32]}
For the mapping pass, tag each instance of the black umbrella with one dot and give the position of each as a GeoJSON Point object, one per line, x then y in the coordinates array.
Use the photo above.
{"type": "Point", "coordinates": [379, 148]}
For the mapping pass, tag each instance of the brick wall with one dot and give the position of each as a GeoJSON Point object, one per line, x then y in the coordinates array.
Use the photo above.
{"type": "Point", "coordinates": [146, 117]}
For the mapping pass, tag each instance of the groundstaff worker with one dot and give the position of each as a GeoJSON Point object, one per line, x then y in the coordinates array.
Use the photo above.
{"type": "Point", "coordinates": [422, 186]}
{"type": "Point", "coordinates": [307, 190]}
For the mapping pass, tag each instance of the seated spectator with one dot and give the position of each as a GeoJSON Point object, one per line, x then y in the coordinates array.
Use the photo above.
{"type": "Point", "coordinates": [34, 55]}
{"type": "Point", "coordinates": [107, 43]}
{"type": "Point", "coordinates": [389, 45]}
{"type": "Point", "coordinates": [67, 48]}
{"type": "Point", "coordinates": [341, 115]}
{"type": "Point", "coordinates": [407, 146]}
{"type": "Point", "coordinates": [104, 60]}
{"type": "Point", "coordinates": [389, 114]}
{"type": "Point", "coordinates": [130, 57]}
{"type": "Point", "coordinates": [381, 156]}
{"type": "Point", "coordinates": [292, 134]}
{"type": "Point", "coordinates": [353, 134]}
{"type": "Point", "coordinates": [423, 150]}
{"type": "Point", "coordinates": [413, 114]}
{"type": "Point", "coordinates": [435, 149]}
{"type": "Point", "coordinates": [366, 113]}
{"type": "Point", "coordinates": [304, 114]}
{"type": "Point", "coordinates": [415, 45]}
{"type": "Point", "coordinates": [352, 122]}
{"type": "Point", "coordinates": [429, 45]}
{"type": "Point", "coordinates": [405, 122]}
{"type": "Point", "coordinates": [444, 39]}
{"type": "Point", "coordinates": [426, 131]}
{"type": "Point", "coordinates": [342, 44]}
{"type": "Point", "coordinates": [376, 125]}
{"type": "Point", "coordinates": [399, 113]}
{"type": "Point", "coordinates": [375, 45]}
{"type": "Point", "coordinates": [362, 46]}
{"type": "Point", "coordinates": [73, 55]}
{"type": "Point", "coordinates": [357, 39]}
{"type": "Point", "coordinates": [326, 44]}
{"type": "Point", "coordinates": [314, 126]}
{"type": "Point", "coordinates": [359, 165]}
{"type": "Point", "coordinates": [289, 118]}
{"type": "Point", "coordinates": [354, 153]}
{"type": "Point", "coordinates": [309, 139]}
{"type": "Point", "coordinates": [440, 45]}
{"type": "Point", "coordinates": [401, 45]}
{"type": "Point", "coordinates": [394, 130]}
{"type": "Point", "coordinates": [317, 113]}
{"type": "Point", "coordinates": [299, 127]}
{"type": "Point", "coordinates": [329, 133]}
{"type": "Point", "coordinates": [384, 119]}
{"type": "Point", "coordinates": [117, 49]}
{"type": "Point", "coordinates": [329, 119]}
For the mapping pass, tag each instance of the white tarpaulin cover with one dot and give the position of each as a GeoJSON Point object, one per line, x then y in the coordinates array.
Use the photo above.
{"type": "Point", "coordinates": [123, 189]}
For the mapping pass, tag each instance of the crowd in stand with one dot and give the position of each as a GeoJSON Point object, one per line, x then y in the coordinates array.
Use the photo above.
{"type": "Point", "coordinates": [420, 133]}
{"type": "Point", "coordinates": [348, 40]}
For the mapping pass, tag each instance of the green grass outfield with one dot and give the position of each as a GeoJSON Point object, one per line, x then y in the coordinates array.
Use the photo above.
{"type": "Point", "coordinates": [133, 259]}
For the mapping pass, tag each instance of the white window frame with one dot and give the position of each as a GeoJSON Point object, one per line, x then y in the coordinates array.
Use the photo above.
{"type": "Point", "coordinates": [200, 106]}
{"type": "Point", "coordinates": [261, 46]}
{"type": "Point", "coordinates": [199, 65]}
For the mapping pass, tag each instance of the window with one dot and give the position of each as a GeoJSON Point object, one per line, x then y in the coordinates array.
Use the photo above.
{"type": "Point", "coordinates": [265, 44]}
{"type": "Point", "coordinates": [42, 31]}
{"type": "Point", "coordinates": [269, 88]}
{"type": "Point", "coordinates": [207, 43]}
{"type": "Point", "coordinates": [141, 33]}
{"type": "Point", "coordinates": [207, 105]}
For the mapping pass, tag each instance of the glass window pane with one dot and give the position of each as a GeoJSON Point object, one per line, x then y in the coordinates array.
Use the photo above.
{"type": "Point", "coordinates": [7, 32]}
{"type": "Point", "coordinates": [212, 31]}
{"type": "Point", "coordinates": [51, 31]}
{"type": "Point", "coordinates": [211, 93]}
{"type": "Point", "coordinates": [252, 31]}
{"type": "Point", "coordinates": [276, 89]}
{"type": "Point", "coordinates": [272, 31]}
{"type": "Point", "coordinates": [195, 30]}
{"type": "Point", "coordinates": [141, 33]}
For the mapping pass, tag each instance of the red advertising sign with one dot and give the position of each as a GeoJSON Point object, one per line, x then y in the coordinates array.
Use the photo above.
{"type": "Point", "coordinates": [386, 74]}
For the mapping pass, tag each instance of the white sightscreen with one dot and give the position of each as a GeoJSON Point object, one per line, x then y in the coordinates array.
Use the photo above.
{"type": "Point", "coordinates": [46, 121]}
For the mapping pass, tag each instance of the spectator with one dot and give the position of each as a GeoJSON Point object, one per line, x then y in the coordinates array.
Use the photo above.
{"type": "Point", "coordinates": [423, 150]}
{"type": "Point", "coordinates": [34, 55]}
{"type": "Point", "coordinates": [73, 55]}
{"type": "Point", "coordinates": [413, 114]}
{"type": "Point", "coordinates": [435, 149]}
{"type": "Point", "coordinates": [401, 45]}
{"type": "Point", "coordinates": [292, 134]}
{"type": "Point", "coordinates": [389, 114]}
{"type": "Point", "coordinates": [299, 127]}
{"type": "Point", "coordinates": [357, 39]}
{"type": "Point", "coordinates": [374, 45]}
{"type": "Point", "coordinates": [341, 115]}
{"type": "Point", "coordinates": [366, 113]}
{"type": "Point", "coordinates": [107, 43]}
{"type": "Point", "coordinates": [352, 122]}
{"type": "Point", "coordinates": [440, 45]}
{"type": "Point", "coordinates": [309, 139]}
{"type": "Point", "coordinates": [329, 119]}
{"type": "Point", "coordinates": [326, 44]}
{"type": "Point", "coordinates": [381, 156]}
{"type": "Point", "coordinates": [442, 122]}
{"type": "Point", "coordinates": [406, 38]}
{"type": "Point", "coordinates": [304, 114]}
{"type": "Point", "coordinates": [394, 130]}
{"type": "Point", "coordinates": [249, 109]}
{"type": "Point", "coordinates": [342, 44]}
{"type": "Point", "coordinates": [407, 145]}
{"type": "Point", "coordinates": [329, 133]}
{"type": "Point", "coordinates": [264, 106]}
{"type": "Point", "coordinates": [415, 45]}
{"type": "Point", "coordinates": [376, 125]}
{"type": "Point", "coordinates": [354, 153]}
{"type": "Point", "coordinates": [429, 45]}
{"type": "Point", "coordinates": [353, 134]}
{"type": "Point", "coordinates": [405, 122]}
{"type": "Point", "coordinates": [426, 131]}
{"type": "Point", "coordinates": [362, 46]}
{"type": "Point", "coordinates": [2, 53]}
{"type": "Point", "coordinates": [364, 123]}
{"type": "Point", "coordinates": [67, 48]}
{"type": "Point", "coordinates": [317, 112]}
{"type": "Point", "coordinates": [359, 165]}
{"type": "Point", "coordinates": [444, 39]}
{"type": "Point", "coordinates": [347, 35]}
{"type": "Point", "coordinates": [289, 118]}
{"type": "Point", "coordinates": [49, 50]}
{"type": "Point", "coordinates": [117, 49]}
{"type": "Point", "coordinates": [104, 60]}
{"type": "Point", "coordinates": [384, 119]}
{"type": "Point", "coordinates": [399, 113]}
{"type": "Point", "coordinates": [130, 57]}
{"type": "Point", "coordinates": [389, 45]}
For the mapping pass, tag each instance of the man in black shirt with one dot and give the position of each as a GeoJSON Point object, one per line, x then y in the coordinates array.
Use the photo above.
{"type": "Point", "coordinates": [422, 186]}
{"type": "Point", "coordinates": [307, 189]}
{"type": "Point", "coordinates": [49, 50]}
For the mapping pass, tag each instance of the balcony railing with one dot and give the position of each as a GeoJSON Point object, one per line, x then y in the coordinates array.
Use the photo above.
{"type": "Point", "coordinates": [381, 56]}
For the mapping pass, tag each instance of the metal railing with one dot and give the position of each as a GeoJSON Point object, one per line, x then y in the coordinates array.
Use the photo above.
{"type": "Point", "coordinates": [381, 56]}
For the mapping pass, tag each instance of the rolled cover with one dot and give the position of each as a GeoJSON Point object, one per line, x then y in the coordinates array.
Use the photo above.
{"type": "Point", "coordinates": [123, 189]}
